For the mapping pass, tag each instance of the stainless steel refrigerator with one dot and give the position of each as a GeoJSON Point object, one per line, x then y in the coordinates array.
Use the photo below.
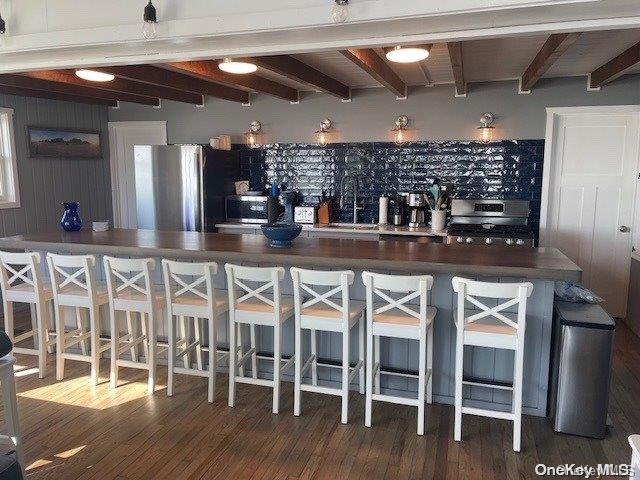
{"type": "Point", "coordinates": [183, 187]}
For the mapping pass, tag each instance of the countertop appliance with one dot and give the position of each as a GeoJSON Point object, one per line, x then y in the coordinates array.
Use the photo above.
{"type": "Point", "coordinates": [490, 222]}
{"type": "Point", "coordinates": [579, 397]}
{"type": "Point", "coordinates": [183, 187]}
{"type": "Point", "coordinates": [416, 203]}
{"type": "Point", "coordinates": [252, 209]}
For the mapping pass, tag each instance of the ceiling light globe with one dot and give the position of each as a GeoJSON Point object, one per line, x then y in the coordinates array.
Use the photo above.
{"type": "Point", "coordinates": [237, 68]}
{"type": "Point", "coordinates": [94, 76]}
{"type": "Point", "coordinates": [407, 54]}
{"type": "Point", "coordinates": [340, 12]}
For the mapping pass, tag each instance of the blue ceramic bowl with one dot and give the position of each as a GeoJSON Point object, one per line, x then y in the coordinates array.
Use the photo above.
{"type": "Point", "coordinates": [281, 234]}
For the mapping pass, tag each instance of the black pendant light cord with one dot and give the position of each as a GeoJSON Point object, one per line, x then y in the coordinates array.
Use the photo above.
{"type": "Point", "coordinates": [150, 13]}
{"type": "Point", "coordinates": [2, 25]}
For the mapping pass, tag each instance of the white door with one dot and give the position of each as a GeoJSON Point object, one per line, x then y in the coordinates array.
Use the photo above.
{"type": "Point", "coordinates": [590, 177]}
{"type": "Point", "coordinates": [122, 137]}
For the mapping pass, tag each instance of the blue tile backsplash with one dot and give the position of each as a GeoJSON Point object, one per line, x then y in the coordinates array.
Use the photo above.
{"type": "Point", "coordinates": [509, 169]}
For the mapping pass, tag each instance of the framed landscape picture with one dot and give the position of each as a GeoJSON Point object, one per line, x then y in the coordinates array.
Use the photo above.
{"type": "Point", "coordinates": [61, 143]}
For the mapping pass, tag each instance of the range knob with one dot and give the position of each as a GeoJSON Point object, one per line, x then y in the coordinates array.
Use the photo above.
{"type": "Point", "coordinates": [520, 242]}
{"type": "Point", "coordinates": [489, 241]}
{"type": "Point", "coordinates": [469, 240]}
{"type": "Point", "coordinates": [509, 241]}
{"type": "Point", "coordinates": [460, 240]}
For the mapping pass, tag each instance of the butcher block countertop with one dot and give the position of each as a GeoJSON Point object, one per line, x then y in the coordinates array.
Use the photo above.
{"type": "Point", "coordinates": [386, 255]}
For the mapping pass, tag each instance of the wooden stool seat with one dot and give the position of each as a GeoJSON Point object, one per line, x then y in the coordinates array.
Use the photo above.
{"type": "Point", "coordinates": [398, 317]}
{"type": "Point", "coordinates": [26, 291]}
{"type": "Point", "coordinates": [286, 306]}
{"type": "Point", "coordinates": [327, 312]}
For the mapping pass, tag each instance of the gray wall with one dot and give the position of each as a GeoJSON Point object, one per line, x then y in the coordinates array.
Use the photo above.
{"type": "Point", "coordinates": [434, 112]}
{"type": "Point", "coordinates": [46, 182]}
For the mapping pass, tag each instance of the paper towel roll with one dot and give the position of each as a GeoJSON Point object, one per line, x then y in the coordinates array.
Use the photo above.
{"type": "Point", "coordinates": [383, 211]}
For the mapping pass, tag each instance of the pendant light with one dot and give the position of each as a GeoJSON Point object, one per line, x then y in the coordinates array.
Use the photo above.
{"type": "Point", "coordinates": [323, 134]}
{"type": "Point", "coordinates": [399, 130]}
{"type": "Point", "coordinates": [340, 11]}
{"type": "Point", "coordinates": [150, 20]}
{"type": "Point", "coordinates": [3, 29]}
{"type": "Point", "coordinates": [94, 76]}
{"type": "Point", "coordinates": [409, 54]}
{"type": "Point", "coordinates": [237, 68]}
{"type": "Point", "coordinates": [486, 128]}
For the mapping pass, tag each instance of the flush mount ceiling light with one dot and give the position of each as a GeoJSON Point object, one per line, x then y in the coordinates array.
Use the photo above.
{"type": "Point", "coordinates": [149, 22]}
{"type": "Point", "coordinates": [238, 68]}
{"type": "Point", "coordinates": [486, 128]}
{"type": "Point", "coordinates": [340, 11]}
{"type": "Point", "coordinates": [408, 54]}
{"type": "Point", "coordinates": [94, 76]}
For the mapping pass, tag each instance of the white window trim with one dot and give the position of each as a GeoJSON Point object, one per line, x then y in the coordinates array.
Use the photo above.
{"type": "Point", "coordinates": [10, 166]}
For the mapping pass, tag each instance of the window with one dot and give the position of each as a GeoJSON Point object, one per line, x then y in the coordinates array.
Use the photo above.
{"type": "Point", "coordinates": [9, 196]}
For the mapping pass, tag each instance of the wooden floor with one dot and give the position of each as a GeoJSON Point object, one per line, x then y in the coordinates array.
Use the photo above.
{"type": "Point", "coordinates": [75, 431]}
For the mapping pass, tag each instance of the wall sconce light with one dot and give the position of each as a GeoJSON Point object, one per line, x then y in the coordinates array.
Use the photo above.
{"type": "Point", "coordinates": [149, 21]}
{"type": "Point", "coordinates": [486, 128]}
{"type": "Point", "coordinates": [340, 11]}
{"type": "Point", "coordinates": [253, 135]}
{"type": "Point", "coordinates": [399, 130]}
{"type": "Point", "coordinates": [323, 134]}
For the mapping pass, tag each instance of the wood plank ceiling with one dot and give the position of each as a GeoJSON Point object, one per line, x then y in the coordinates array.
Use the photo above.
{"type": "Point", "coordinates": [602, 56]}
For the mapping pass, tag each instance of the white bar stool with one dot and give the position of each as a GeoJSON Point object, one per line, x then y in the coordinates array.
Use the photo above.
{"type": "Point", "coordinates": [10, 406]}
{"type": "Point", "coordinates": [394, 318]}
{"type": "Point", "coordinates": [321, 312]}
{"type": "Point", "coordinates": [132, 292]}
{"type": "Point", "coordinates": [193, 297]}
{"type": "Point", "coordinates": [74, 285]}
{"type": "Point", "coordinates": [21, 282]}
{"type": "Point", "coordinates": [257, 308]}
{"type": "Point", "coordinates": [634, 441]}
{"type": "Point", "coordinates": [488, 327]}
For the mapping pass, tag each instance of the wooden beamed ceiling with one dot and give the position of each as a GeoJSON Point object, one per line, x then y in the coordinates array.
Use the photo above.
{"type": "Point", "coordinates": [553, 48]}
{"type": "Point", "coordinates": [282, 76]}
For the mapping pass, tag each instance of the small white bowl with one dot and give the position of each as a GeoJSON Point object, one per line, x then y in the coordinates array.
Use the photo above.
{"type": "Point", "coordinates": [100, 226]}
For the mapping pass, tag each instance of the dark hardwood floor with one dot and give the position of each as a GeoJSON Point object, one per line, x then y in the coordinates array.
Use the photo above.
{"type": "Point", "coordinates": [75, 431]}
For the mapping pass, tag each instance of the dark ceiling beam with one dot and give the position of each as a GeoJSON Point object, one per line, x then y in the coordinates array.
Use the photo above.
{"type": "Point", "coordinates": [551, 50]}
{"type": "Point", "coordinates": [208, 70]}
{"type": "Point", "coordinates": [69, 77]}
{"type": "Point", "coordinates": [22, 81]}
{"type": "Point", "coordinates": [615, 67]}
{"type": "Point", "coordinates": [369, 61]}
{"type": "Point", "coordinates": [455, 55]}
{"type": "Point", "coordinates": [298, 71]}
{"type": "Point", "coordinates": [153, 75]}
{"type": "Point", "coordinates": [27, 92]}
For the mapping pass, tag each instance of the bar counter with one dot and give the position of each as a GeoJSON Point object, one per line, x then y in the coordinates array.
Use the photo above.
{"type": "Point", "coordinates": [396, 255]}
{"type": "Point", "coordinates": [540, 266]}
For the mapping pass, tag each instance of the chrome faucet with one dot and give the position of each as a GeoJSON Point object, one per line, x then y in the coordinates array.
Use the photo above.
{"type": "Point", "coordinates": [356, 180]}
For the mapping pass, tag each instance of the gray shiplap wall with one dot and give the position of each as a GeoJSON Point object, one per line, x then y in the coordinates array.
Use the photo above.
{"type": "Point", "coordinates": [45, 183]}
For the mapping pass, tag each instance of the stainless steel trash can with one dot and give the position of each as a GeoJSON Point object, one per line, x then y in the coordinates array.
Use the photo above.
{"type": "Point", "coordinates": [581, 369]}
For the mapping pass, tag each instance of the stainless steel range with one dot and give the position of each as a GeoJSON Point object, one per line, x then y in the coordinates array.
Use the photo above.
{"type": "Point", "coordinates": [490, 222]}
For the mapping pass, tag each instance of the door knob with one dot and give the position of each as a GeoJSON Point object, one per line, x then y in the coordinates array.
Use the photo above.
{"type": "Point", "coordinates": [624, 229]}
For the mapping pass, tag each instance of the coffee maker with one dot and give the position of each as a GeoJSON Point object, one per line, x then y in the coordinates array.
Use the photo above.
{"type": "Point", "coordinates": [416, 203]}
{"type": "Point", "coordinates": [397, 209]}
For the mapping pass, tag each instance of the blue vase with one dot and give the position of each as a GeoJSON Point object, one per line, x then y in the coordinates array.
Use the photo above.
{"type": "Point", "coordinates": [71, 221]}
